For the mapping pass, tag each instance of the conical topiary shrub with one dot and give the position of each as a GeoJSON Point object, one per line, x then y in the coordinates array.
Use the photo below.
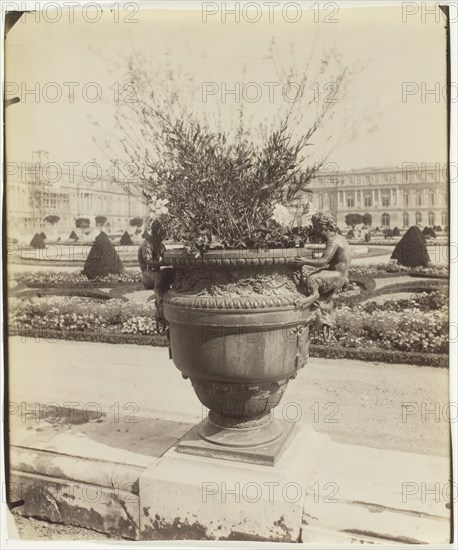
{"type": "Point", "coordinates": [102, 259]}
{"type": "Point", "coordinates": [37, 241]}
{"type": "Point", "coordinates": [429, 232]}
{"type": "Point", "coordinates": [126, 239]}
{"type": "Point", "coordinates": [43, 236]}
{"type": "Point", "coordinates": [73, 236]}
{"type": "Point", "coordinates": [411, 249]}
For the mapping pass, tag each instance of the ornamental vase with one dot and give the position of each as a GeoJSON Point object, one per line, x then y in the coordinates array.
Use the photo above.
{"type": "Point", "coordinates": [238, 330]}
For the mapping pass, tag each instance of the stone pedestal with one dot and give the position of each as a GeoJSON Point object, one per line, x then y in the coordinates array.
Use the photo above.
{"type": "Point", "coordinates": [185, 496]}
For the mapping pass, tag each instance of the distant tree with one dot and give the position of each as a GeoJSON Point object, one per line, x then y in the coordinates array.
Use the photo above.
{"type": "Point", "coordinates": [52, 219]}
{"type": "Point", "coordinates": [388, 233]}
{"type": "Point", "coordinates": [126, 239]}
{"type": "Point", "coordinates": [367, 237]}
{"type": "Point", "coordinates": [425, 230]}
{"type": "Point", "coordinates": [439, 229]}
{"type": "Point", "coordinates": [351, 234]}
{"type": "Point", "coordinates": [411, 250]}
{"type": "Point", "coordinates": [100, 220]}
{"type": "Point", "coordinates": [82, 223]}
{"type": "Point", "coordinates": [396, 232]}
{"type": "Point", "coordinates": [37, 241]}
{"type": "Point", "coordinates": [367, 219]}
{"type": "Point", "coordinates": [353, 220]}
{"type": "Point", "coordinates": [102, 259]}
{"type": "Point", "coordinates": [136, 222]}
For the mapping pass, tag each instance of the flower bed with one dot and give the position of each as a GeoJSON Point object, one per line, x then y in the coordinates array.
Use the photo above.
{"type": "Point", "coordinates": [369, 291]}
{"type": "Point", "coordinates": [423, 301]}
{"type": "Point", "coordinates": [79, 314]}
{"type": "Point", "coordinates": [379, 271]}
{"type": "Point", "coordinates": [416, 325]}
{"type": "Point", "coordinates": [51, 279]}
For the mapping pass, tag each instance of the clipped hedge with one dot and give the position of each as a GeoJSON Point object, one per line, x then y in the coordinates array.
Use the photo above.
{"type": "Point", "coordinates": [378, 355]}
{"type": "Point", "coordinates": [101, 336]}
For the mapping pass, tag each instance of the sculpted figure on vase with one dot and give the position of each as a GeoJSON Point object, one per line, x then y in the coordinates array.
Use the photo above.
{"type": "Point", "coordinates": [331, 273]}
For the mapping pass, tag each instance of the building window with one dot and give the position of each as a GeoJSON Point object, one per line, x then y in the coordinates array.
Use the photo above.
{"type": "Point", "coordinates": [385, 198]}
{"type": "Point", "coordinates": [368, 198]}
{"type": "Point", "coordinates": [443, 197]}
{"type": "Point", "coordinates": [385, 220]}
{"type": "Point", "coordinates": [432, 196]}
{"type": "Point", "coordinates": [350, 200]}
{"type": "Point", "coordinates": [444, 218]}
{"type": "Point", "coordinates": [405, 219]}
{"type": "Point", "coordinates": [431, 218]}
{"type": "Point", "coordinates": [418, 198]}
{"type": "Point", "coordinates": [405, 198]}
{"type": "Point", "coordinates": [418, 218]}
{"type": "Point", "coordinates": [320, 202]}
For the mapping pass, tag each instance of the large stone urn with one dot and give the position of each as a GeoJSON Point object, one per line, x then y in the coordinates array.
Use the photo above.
{"type": "Point", "coordinates": [238, 329]}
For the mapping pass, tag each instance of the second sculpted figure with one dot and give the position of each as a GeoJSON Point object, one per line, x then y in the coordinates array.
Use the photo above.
{"type": "Point", "coordinates": [331, 273]}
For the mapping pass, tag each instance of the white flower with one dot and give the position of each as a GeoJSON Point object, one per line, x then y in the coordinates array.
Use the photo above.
{"type": "Point", "coordinates": [308, 211]}
{"type": "Point", "coordinates": [157, 207]}
{"type": "Point", "coordinates": [282, 215]}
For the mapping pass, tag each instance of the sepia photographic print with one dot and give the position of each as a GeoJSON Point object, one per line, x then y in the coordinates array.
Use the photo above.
{"type": "Point", "coordinates": [229, 274]}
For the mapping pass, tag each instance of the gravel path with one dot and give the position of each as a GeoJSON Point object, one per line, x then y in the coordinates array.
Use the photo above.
{"type": "Point", "coordinates": [354, 402]}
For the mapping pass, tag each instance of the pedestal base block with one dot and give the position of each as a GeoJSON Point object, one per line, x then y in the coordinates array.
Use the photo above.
{"type": "Point", "coordinates": [207, 440]}
{"type": "Point", "coordinates": [187, 497]}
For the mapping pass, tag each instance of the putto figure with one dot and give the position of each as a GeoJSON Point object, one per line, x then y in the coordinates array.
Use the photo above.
{"type": "Point", "coordinates": [155, 274]}
{"type": "Point", "coordinates": [334, 264]}
{"type": "Point", "coordinates": [332, 270]}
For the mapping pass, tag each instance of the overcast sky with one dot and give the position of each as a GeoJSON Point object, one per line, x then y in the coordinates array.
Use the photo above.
{"type": "Point", "coordinates": [373, 125]}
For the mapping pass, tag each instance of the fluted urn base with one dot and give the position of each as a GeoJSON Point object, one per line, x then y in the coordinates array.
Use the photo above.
{"type": "Point", "coordinates": [240, 414]}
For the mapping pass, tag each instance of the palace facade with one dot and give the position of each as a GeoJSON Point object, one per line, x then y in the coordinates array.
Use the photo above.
{"type": "Point", "coordinates": [41, 188]}
{"type": "Point", "coordinates": [394, 197]}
